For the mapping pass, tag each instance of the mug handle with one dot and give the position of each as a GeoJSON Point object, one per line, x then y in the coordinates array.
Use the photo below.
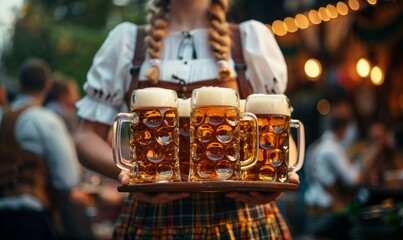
{"type": "Point", "coordinates": [248, 164]}
{"type": "Point", "coordinates": [120, 161]}
{"type": "Point", "coordinates": [294, 123]}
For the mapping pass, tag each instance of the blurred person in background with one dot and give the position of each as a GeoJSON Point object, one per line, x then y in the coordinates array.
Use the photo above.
{"type": "Point", "coordinates": [62, 98]}
{"type": "Point", "coordinates": [81, 221]}
{"type": "Point", "coordinates": [395, 178]}
{"type": "Point", "coordinates": [38, 161]}
{"type": "Point", "coordinates": [330, 176]}
{"type": "Point", "coordinates": [377, 157]}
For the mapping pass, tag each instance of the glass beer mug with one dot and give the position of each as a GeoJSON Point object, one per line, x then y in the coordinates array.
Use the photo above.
{"type": "Point", "coordinates": [215, 135]}
{"type": "Point", "coordinates": [154, 136]}
{"type": "Point", "coordinates": [184, 137]}
{"type": "Point", "coordinates": [274, 118]}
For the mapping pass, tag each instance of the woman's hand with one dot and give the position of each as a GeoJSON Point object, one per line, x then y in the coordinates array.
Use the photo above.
{"type": "Point", "coordinates": [158, 198]}
{"type": "Point", "coordinates": [257, 198]}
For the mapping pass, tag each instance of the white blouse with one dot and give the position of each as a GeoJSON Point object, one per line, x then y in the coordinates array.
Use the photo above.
{"type": "Point", "coordinates": [109, 76]}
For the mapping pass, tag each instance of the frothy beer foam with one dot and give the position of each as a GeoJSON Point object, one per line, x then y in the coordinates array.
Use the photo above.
{"type": "Point", "coordinates": [215, 96]}
{"type": "Point", "coordinates": [154, 97]}
{"type": "Point", "coordinates": [242, 105]}
{"type": "Point", "coordinates": [184, 107]}
{"type": "Point", "coordinates": [268, 104]}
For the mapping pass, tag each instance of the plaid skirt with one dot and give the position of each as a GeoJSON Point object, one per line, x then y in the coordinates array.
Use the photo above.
{"type": "Point", "coordinates": [200, 216]}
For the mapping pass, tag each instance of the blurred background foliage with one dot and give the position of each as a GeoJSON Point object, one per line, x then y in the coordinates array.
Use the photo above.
{"type": "Point", "coordinates": [67, 33]}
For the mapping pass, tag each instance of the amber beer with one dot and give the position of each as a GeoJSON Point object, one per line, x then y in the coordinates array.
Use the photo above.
{"type": "Point", "coordinates": [274, 119]}
{"type": "Point", "coordinates": [184, 137]}
{"type": "Point", "coordinates": [247, 131]}
{"type": "Point", "coordinates": [154, 136]}
{"type": "Point", "coordinates": [214, 135]}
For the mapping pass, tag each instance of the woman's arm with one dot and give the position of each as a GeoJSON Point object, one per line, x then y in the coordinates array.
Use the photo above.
{"type": "Point", "coordinates": [93, 150]}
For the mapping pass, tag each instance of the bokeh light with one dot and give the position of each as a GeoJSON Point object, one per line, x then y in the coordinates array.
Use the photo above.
{"type": "Point", "coordinates": [354, 4]}
{"type": "Point", "coordinates": [301, 21]}
{"type": "Point", "coordinates": [323, 106]}
{"type": "Point", "coordinates": [313, 69]}
{"type": "Point", "coordinates": [342, 8]}
{"type": "Point", "coordinates": [324, 14]}
{"type": "Point", "coordinates": [279, 28]}
{"type": "Point", "coordinates": [377, 76]}
{"type": "Point", "coordinates": [363, 67]}
{"type": "Point", "coordinates": [290, 23]}
{"type": "Point", "coordinates": [314, 17]}
{"type": "Point", "coordinates": [332, 11]}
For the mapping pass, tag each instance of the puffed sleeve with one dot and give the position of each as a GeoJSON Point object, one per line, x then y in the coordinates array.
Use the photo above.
{"type": "Point", "coordinates": [266, 66]}
{"type": "Point", "coordinates": [109, 76]}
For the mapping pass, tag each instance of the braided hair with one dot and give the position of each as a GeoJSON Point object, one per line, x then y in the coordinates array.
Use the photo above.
{"type": "Point", "coordinates": [218, 33]}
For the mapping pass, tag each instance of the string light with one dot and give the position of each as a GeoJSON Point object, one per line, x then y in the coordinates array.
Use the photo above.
{"type": "Point", "coordinates": [377, 76]}
{"type": "Point", "coordinates": [301, 21]}
{"type": "Point", "coordinates": [324, 14]}
{"type": "Point", "coordinates": [332, 11]}
{"type": "Point", "coordinates": [342, 8]}
{"type": "Point", "coordinates": [291, 25]}
{"type": "Point", "coordinates": [279, 28]}
{"type": "Point", "coordinates": [313, 16]}
{"type": "Point", "coordinates": [354, 4]}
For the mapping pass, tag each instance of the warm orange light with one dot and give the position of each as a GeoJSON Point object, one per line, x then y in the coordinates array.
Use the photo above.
{"type": "Point", "coordinates": [290, 23]}
{"type": "Point", "coordinates": [332, 11]}
{"type": "Point", "coordinates": [279, 28]}
{"type": "Point", "coordinates": [377, 76]}
{"type": "Point", "coordinates": [301, 21]}
{"type": "Point", "coordinates": [342, 8]}
{"type": "Point", "coordinates": [372, 2]}
{"type": "Point", "coordinates": [354, 4]}
{"type": "Point", "coordinates": [324, 14]}
{"type": "Point", "coordinates": [313, 69]}
{"type": "Point", "coordinates": [314, 17]}
{"type": "Point", "coordinates": [363, 67]}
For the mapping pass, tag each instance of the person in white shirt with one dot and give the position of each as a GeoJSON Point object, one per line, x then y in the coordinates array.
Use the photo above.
{"type": "Point", "coordinates": [329, 178]}
{"type": "Point", "coordinates": [38, 160]}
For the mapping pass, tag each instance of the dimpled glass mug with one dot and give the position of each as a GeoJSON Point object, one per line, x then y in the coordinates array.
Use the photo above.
{"type": "Point", "coordinates": [184, 137]}
{"type": "Point", "coordinates": [274, 118]}
{"type": "Point", "coordinates": [215, 136]}
{"type": "Point", "coordinates": [154, 136]}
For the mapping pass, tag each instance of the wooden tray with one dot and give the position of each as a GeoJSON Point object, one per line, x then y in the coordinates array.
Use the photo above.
{"type": "Point", "coordinates": [210, 186]}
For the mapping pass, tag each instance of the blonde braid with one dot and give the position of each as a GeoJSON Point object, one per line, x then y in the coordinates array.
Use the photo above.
{"type": "Point", "coordinates": [219, 39]}
{"type": "Point", "coordinates": [156, 31]}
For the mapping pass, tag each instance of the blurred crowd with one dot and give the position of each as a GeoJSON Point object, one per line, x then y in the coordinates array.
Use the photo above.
{"type": "Point", "coordinates": [87, 203]}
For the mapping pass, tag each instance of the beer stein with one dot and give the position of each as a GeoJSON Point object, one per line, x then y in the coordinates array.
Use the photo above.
{"type": "Point", "coordinates": [215, 135]}
{"type": "Point", "coordinates": [184, 137]}
{"type": "Point", "coordinates": [274, 120]}
{"type": "Point", "coordinates": [154, 136]}
{"type": "Point", "coordinates": [248, 135]}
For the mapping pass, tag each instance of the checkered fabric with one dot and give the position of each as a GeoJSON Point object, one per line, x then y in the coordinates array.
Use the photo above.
{"type": "Point", "coordinates": [200, 216]}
